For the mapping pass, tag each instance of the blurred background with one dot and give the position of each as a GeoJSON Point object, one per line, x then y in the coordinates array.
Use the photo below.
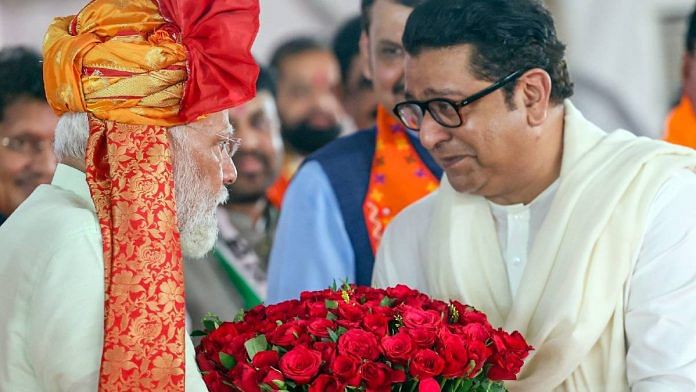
{"type": "Point", "coordinates": [624, 55]}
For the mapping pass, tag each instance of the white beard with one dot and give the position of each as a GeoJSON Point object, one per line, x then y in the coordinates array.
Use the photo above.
{"type": "Point", "coordinates": [195, 207]}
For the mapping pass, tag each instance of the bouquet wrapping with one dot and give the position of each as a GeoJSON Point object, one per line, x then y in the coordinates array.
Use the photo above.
{"type": "Point", "coordinates": [357, 338]}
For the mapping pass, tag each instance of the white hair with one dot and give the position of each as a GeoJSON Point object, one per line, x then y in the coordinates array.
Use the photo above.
{"type": "Point", "coordinates": [71, 137]}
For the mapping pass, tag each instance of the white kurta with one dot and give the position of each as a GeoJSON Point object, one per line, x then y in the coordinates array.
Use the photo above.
{"type": "Point", "coordinates": [660, 318]}
{"type": "Point", "coordinates": [52, 292]}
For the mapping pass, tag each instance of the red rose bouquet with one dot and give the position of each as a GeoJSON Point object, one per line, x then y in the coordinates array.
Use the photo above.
{"type": "Point", "coordinates": [359, 339]}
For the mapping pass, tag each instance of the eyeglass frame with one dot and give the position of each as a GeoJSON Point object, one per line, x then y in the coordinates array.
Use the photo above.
{"type": "Point", "coordinates": [424, 106]}
{"type": "Point", "coordinates": [234, 142]}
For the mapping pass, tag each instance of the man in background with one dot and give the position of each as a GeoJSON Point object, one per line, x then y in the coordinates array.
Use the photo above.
{"type": "Point", "coordinates": [233, 276]}
{"type": "Point", "coordinates": [345, 195]}
{"type": "Point", "coordinates": [681, 123]}
{"type": "Point", "coordinates": [546, 223]}
{"type": "Point", "coordinates": [308, 82]}
{"type": "Point", "coordinates": [357, 93]}
{"type": "Point", "coordinates": [27, 124]}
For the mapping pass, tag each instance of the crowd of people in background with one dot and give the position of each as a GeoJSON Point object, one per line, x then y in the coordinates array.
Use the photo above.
{"type": "Point", "coordinates": [335, 144]}
{"type": "Point", "coordinates": [317, 179]}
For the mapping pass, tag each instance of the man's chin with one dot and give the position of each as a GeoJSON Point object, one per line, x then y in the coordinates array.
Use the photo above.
{"type": "Point", "coordinates": [198, 242]}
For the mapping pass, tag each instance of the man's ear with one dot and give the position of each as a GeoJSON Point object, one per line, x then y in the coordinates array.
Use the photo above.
{"type": "Point", "coordinates": [534, 88]}
{"type": "Point", "coordinates": [365, 56]}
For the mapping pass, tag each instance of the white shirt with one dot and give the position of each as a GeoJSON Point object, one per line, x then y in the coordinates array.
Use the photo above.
{"type": "Point", "coordinates": [52, 292]}
{"type": "Point", "coordinates": [660, 315]}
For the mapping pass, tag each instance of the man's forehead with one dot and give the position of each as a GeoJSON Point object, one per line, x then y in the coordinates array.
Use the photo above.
{"type": "Point", "coordinates": [218, 121]}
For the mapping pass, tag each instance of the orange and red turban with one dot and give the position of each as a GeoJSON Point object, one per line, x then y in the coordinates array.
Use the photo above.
{"type": "Point", "coordinates": [137, 67]}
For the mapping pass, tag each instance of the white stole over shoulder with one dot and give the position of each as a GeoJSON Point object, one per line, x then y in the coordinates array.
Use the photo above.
{"type": "Point", "coordinates": [570, 302]}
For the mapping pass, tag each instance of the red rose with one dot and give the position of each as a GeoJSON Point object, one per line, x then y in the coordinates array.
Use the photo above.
{"type": "Point", "coordinates": [419, 318]}
{"type": "Point", "coordinates": [399, 292]}
{"type": "Point", "coordinates": [438, 307]}
{"type": "Point", "coordinates": [268, 358]}
{"type": "Point", "coordinates": [376, 323]}
{"type": "Point", "coordinates": [287, 334]}
{"type": "Point", "coordinates": [205, 364]}
{"type": "Point", "coordinates": [474, 331]}
{"type": "Point", "coordinates": [422, 337]}
{"type": "Point", "coordinates": [455, 354]}
{"type": "Point", "coordinates": [300, 364]}
{"type": "Point", "coordinates": [271, 377]}
{"type": "Point", "coordinates": [346, 369]}
{"type": "Point", "coordinates": [478, 353]}
{"type": "Point", "coordinates": [326, 383]}
{"type": "Point", "coordinates": [376, 376]}
{"type": "Point", "coordinates": [214, 382]}
{"type": "Point", "coordinates": [511, 350]}
{"type": "Point", "coordinates": [320, 327]}
{"type": "Point", "coordinates": [399, 347]}
{"type": "Point", "coordinates": [283, 311]}
{"type": "Point", "coordinates": [468, 315]}
{"type": "Point", "coordinates": [350, 311]}
{"type": "Point", "coordinates": [504, 341]}
{"type": "Point", "coordinates": [505, 366]}
{"type": "Point", "coordinates": [246, 377]}
{"type": "Point", "coordinates": [327, 350]}
{"type": "Point", "coordinates": [359, 343]}
{"type": "Point", "coordinates": [236, 348]}
{"type": "Point", "coordinates": [428, 385]}
{"type": "Point", "coordinates": [317, 309]}
{"type": "Point", "coordinates": [426, 364]}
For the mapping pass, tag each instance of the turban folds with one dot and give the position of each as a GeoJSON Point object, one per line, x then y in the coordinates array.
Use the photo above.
{"type": "Point", "coordinates": [137, 67]}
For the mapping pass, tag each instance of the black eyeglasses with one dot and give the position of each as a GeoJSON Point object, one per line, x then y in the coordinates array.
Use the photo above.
{"type": "Point", "coordinates": [443, 110]}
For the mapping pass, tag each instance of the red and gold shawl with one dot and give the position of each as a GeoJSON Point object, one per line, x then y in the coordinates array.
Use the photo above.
{"type": "Point", "coordinates": [137, 67]}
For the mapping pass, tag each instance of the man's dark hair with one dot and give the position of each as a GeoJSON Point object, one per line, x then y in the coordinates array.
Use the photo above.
{"type": "Point", "coordinates": [691, 33]}
{"type": "Point", "coordinates": [293, 47]}
{"type": "Point", "coordinates": [506, 35]}
{"type": "Point", "coordinates": [346, 44]}
{"type": "Point", "coordinates": [21, 76]}
{"type": "Point", "coordinates": [265, 81]}
{"type": "Point", "coordinates": [366, 6]}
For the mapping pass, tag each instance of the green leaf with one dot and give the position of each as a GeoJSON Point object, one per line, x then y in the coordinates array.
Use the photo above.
{"type": "Point", "coordinates": [198, 333]}
{"type": "Point", "coordinates": [333, 335]}
{"type": "Point", "coordinates": [255, 345]}
{"type": "Point", "coordinates": [331, 304]}
{"type": "Point", "coordinates": [333, 286]}
{"type": "Point", "coordinates": [280, 384]}
{"type": "Point", "coordinates": [331, 316]}
{"type": "Point", "coordinates": [386, 301]}
{"type": "Point", "coordinates": [227, 360]}
{"type": "Point", "coordinates": [239, 316]}
{"type": "Point", "coordinates": [341, 331]}
{"type": "Point", "coordinates": [211, 322]}
{"type": "Point", "coordinates": [265, 387]}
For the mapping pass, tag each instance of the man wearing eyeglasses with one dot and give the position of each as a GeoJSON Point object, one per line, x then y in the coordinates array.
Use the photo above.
{"type": "Point", "coordinates": [27, 124]}
{"type": "Point", "coordinates": [582, 240]}
{"type": "Point", "coordinates": [345, 194]}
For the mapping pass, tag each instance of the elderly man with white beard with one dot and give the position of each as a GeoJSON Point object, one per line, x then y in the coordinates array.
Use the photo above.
{"type": "Point", "coordinates": [91, 275]}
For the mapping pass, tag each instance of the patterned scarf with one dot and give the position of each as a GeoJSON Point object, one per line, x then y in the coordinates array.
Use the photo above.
{"type": "Point", "coordinates": [137, 67]}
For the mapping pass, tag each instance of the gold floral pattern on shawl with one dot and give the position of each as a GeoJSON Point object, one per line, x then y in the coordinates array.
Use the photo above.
{"type": "Point", "coordinates": [132, 186]}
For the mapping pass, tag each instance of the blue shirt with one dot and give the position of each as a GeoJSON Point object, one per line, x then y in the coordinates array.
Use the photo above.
{"type": "Point", "coordinates": [311, 248]}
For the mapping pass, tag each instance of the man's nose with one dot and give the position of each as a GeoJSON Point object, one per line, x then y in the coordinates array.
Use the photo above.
{"type": "Point", "coordinates": [431, 133]}
{"type": "Point", "coordinates": [229, 170]}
